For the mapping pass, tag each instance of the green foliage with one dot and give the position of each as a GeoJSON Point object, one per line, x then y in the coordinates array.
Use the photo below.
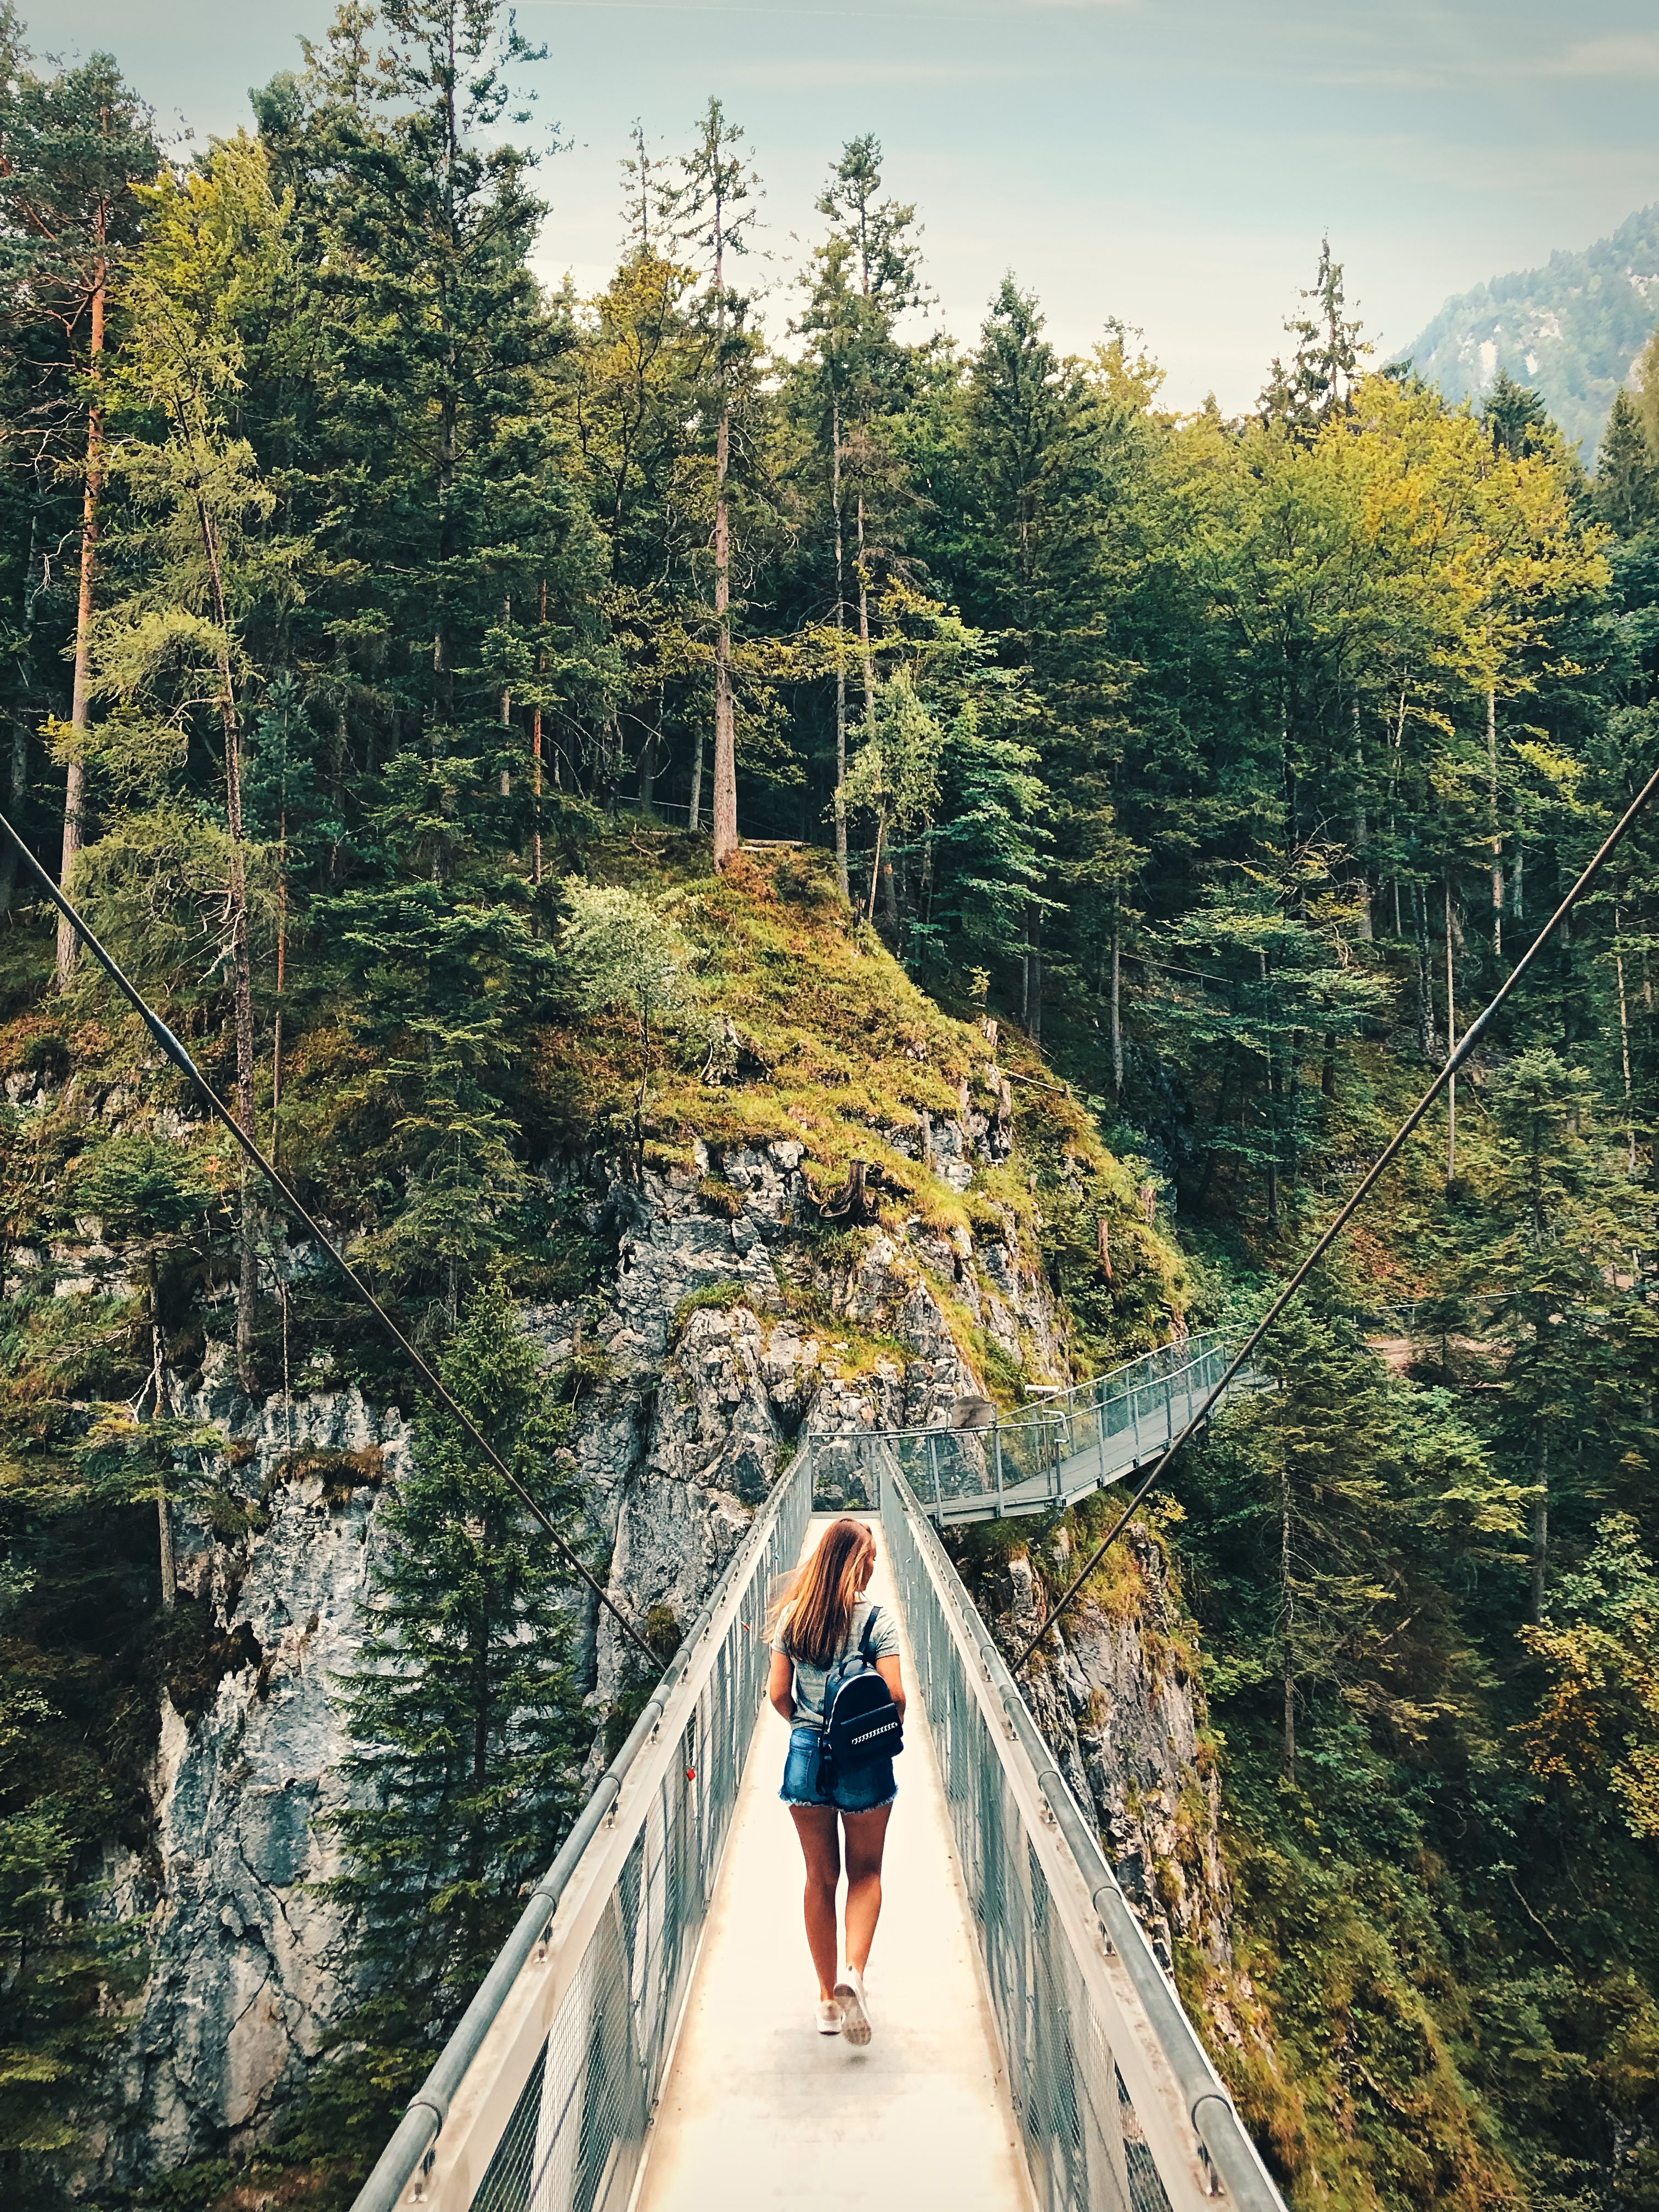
{"type": "Point", "coordinates": [708, 1297]}
{"type": "Point", "coordinates": [1214, 771]}
{"type": "Point", "coordinates": [62, 1967]}
{"type": "Point", "coordinates": [466, 1723]}
{"type": "Point", "coordinates": [1598, 1724]}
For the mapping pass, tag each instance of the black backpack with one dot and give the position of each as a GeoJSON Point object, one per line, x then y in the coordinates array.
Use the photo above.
{"type": "Point", "coordinates": [861, 1721]}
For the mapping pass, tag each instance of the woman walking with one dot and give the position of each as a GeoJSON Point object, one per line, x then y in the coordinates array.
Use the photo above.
{"type": "Point", "coordinates": [827, 1618]}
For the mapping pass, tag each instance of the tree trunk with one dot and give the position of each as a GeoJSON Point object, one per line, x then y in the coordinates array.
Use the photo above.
{"type": "Point", "coordinates": [448, 453]}
{"type": "Point", "coordinates": [1451, 1046]}
{"type": "Point", "coordinates": [1117, 1011]}
{"type": "Point", "coordinates": [841, 664]}
{"type": "Point", "coordinates": [1497, 834]}
{"type": "Point", "coordinates": [725, 822]}
{"type": "Point", "coordinates": [241, 960]}
{"type": "Point", "coordinates": [1290, 1623]}
{"type": "Point", "coordinates": [694, 815]}
{"type": "Point", "coordinates": [282, 979]}
{"type": "Point", "coordinates": [536, 750]}
{"type": "Point", "coordinates": [1361, 834]}
{"type": "Point", "coordinates": [75, 788]}
{"type": "Point", "coordinates": [875, 869]}
{"type": "Point", "coordinates": [1273, 1114]}
{"type": "Point", "coordinates": [20, 787]}
{"type": "Point", "coordinates": [164, 1521]}
{"type": "Point", "coordinates": [1424, 1001]}
{"type": "Point", "coordinates": [1624, 1034]}
{"type": "Point", "coordinates": [1540, 1522]}
{"type": "Point", "coordinates": [864, 630]}
{"type": "Point", "coordinates": [1034, 977]}
{"type": "Point", "coordinates": [726, 767]}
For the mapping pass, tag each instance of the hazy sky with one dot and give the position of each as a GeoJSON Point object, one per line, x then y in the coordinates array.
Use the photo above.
{"type": "Point", "coordinates": [1171, 161]}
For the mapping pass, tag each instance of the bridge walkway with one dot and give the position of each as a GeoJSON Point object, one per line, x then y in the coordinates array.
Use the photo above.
{"type": "Point", "coordinates": [644, 2041]}
{"type": "Point", "coordinates": [760, 2110]}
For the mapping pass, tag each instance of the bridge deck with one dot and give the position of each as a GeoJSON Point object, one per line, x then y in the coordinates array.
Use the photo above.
{"type": "Point", "coordinates": [760, 2110]}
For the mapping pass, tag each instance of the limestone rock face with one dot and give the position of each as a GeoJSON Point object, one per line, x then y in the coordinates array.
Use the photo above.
{"type": "Point", "coordinates": [245, 1974]}
{"type": "Point", "coordinates": [1124, 1713]}
{"type": "Point", "coordinates": [692, 1411]}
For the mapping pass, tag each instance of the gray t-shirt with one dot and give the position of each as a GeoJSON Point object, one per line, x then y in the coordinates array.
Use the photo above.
{"type": "Point", "coordinates": [810, 1680]}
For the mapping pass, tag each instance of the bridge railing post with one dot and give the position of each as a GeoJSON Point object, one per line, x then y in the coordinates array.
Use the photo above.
{"type": "Point", "coordinates": [996, 1435]}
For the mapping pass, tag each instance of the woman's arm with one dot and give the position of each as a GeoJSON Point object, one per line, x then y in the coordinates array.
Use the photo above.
{"type": "Point", "coordinates": [781, 1686]}
{"type": "Point", "coordinates": [889, 1671]}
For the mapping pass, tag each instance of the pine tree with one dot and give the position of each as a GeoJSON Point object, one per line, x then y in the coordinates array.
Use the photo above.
{"type": "Point", "coordinates": [1325, 365]}
{"type": "Point", "coordinates": [869, 276]}
{"type": "Point", "coordinates": [1626, 487]}
{"type": "Point", "coordinates": [1319, 1501]}
{"type": "Point", "coordinates": [712, 214]}
{"type": "Point", "coordinates": [466, 1726]}
{"type": "Point", "coordinates": [172, 648]}
{"type": "Point", "coordinates": [1516, 420]}
{"type": "Point", "coordinates": [76, 147]}
{"type": "Point", "coordinates": [1557, 1268]}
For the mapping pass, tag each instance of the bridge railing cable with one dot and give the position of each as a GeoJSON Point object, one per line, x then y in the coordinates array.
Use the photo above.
{"type": "Point", "coordinates": [1118, 2103]}
{"type": "Point", "coordinates": [541, 2099]}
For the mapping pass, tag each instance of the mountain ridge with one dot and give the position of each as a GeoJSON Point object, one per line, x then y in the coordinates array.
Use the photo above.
{"type": "Point", "coordinates": [1572, 329]}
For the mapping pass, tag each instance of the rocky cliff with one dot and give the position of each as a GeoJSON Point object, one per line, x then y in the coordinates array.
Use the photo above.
{"type": "Point", "coordinates": [729, 1319]}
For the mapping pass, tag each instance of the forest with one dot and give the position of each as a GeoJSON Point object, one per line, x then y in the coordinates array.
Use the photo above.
{"type": "Point", "coordinates": [424, 680]}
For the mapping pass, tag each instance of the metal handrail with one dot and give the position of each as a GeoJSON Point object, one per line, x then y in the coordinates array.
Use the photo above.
{"type": "Point", "coordinates": [1231, 2154]}
{"type": "Point", "coordinates": [542, 2099]}
{"type": "Point", "coordinates": [1042, 1415]}
{"type": "Point", "coordinates": [410, 2156]}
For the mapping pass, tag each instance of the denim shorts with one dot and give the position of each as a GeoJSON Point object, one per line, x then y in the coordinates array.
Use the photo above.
{"type": "Point", "coordinates": [864, 1791]}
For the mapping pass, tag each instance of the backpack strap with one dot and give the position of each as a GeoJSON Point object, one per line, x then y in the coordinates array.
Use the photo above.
{"type": "Point", "coordinates": [864, 1640]}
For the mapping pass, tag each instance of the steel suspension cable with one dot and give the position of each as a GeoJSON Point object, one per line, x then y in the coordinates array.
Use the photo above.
{"type": "Point", "coordinates": [186, 1066]}
{"type": "Point", "coordinates": [1472, 1037]}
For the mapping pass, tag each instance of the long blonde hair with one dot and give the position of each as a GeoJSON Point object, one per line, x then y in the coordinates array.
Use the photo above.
{"type": "Point", "coordinates": [818, 1601]}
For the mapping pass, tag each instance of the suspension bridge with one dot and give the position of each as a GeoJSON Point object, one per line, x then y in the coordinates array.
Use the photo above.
{"type": "Point", "coordinates": [644, 2041]}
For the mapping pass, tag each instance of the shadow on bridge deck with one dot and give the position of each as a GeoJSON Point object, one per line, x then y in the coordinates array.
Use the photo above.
{"type": "Point", "coordinates": [759, 2109]}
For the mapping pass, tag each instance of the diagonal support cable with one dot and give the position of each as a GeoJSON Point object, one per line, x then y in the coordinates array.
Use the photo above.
{"type": "Point", "coordinates": [188, 1067]}
{"type": "Point", "coordinates": [1472, 1037]}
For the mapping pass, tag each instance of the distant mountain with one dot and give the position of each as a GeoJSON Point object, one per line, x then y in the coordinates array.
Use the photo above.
{"type": "Point", "coordinates": [1571, 330]}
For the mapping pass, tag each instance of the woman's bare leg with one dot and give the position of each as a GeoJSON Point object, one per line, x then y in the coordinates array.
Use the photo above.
{"type": "Point", "coordinates": [820, 1843]}
{"type": "Point", "coordinates": [866, 1840]}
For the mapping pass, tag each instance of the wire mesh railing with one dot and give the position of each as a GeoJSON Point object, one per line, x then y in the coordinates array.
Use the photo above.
{"type": "Point", "coordinates": [1118, 2106]}
{"type": "Point", "coordinates": [541, 2100]}
{"type": "Point", "coordinates": [1055, 1453]}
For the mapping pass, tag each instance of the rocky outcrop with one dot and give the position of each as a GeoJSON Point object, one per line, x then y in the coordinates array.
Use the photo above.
{"type": "Point", "coordinates": [1121, 1706]}
{"type": "Point", "coordinates": [245, 1969]}
{"type": "Point", "coordinates": [728, 1323]}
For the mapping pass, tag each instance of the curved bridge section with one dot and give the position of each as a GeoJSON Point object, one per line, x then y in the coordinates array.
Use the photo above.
{"type": "Point", "coordinates": [1042, 1457]}
{"type": "Point", "coordinates": [642, 2040]}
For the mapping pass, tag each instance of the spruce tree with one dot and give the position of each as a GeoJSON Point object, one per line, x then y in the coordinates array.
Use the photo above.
{"type": "Point", "coordinates": [76, 147]}
{"type": "Point", "coordinates": [1626, 486]}
{"type": "Point", "coordinates": [1325, 365]}
{"type": "Point", "coordinates": [1557, 1268]}
{"type": "Point", "coordinates": [715, 218]}
{"type": "Point", "coordinates": [466, 1722]}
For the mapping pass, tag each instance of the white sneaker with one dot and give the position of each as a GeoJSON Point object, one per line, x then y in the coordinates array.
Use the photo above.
{"type": "Point", "coordinates": [854, 2020]}
{"type": "Point", "coordinates": [829, 2016]}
